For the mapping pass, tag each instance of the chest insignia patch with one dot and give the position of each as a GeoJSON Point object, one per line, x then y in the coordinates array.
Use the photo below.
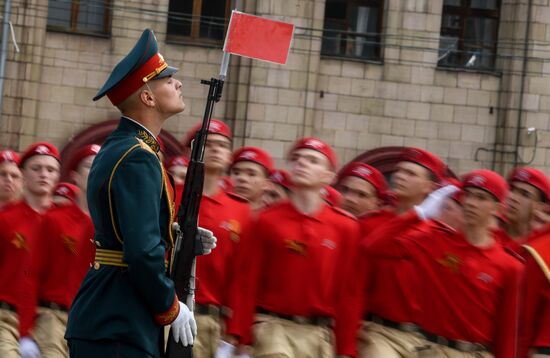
{"type": "Point", "coordinates": [451, 261]}
{"type": "Point", "coordinates": [69, 243]}
{"type": "Point", "coordinates": [19, 241]}
{"type": "Point", "coordinates": [297, 247]}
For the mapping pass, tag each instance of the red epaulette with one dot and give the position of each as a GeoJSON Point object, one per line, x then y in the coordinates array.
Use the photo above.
{"type": "Point", "coordinates": [343, 212]}
{"type": "Point", "coordinates": [237, 197]}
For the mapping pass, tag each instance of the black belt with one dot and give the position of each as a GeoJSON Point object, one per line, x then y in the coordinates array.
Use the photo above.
{"type": "Point", "coordinates": [543, 350]}
{"type": "Point", "coordinates": [53, 306]}
{"type": "Point", "coordinates": [459, 345]}
{"type": "Point", "coordinates": [7, 306]}
{"type": "Point", "coordinates": [402, 326]}
{"type": "Point", "coordinates": [315, 320]}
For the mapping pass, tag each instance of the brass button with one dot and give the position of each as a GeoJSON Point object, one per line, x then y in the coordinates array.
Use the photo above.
{"type": "Point", "coordinates": [97, 265]}
{"type": "Point", "coordinates": [98, 244]}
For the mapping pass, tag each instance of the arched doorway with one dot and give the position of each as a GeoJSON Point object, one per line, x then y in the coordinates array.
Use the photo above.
{"type": "Point", "coordinates": [386, 158]}
{"type": "Point", "coordinates": [97, 133]}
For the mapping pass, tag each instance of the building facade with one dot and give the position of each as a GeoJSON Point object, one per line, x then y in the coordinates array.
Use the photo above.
{"type": "Point", "coordinates": [465, 79]}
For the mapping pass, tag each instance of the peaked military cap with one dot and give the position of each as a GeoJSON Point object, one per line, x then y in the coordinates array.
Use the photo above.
{"type": "Point", "coordinates": [142, 64]}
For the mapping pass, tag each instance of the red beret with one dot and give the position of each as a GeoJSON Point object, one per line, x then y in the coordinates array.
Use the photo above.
{"type": "Point", "coordinates": [67, 190]}
{"type": "Point", "coordinates": [9, 156]}
{"type": "Point", "coordinates": [215, 127]}
{"type": "Point", "coordinates": [367, 173]}
{"type": "Point", "coordinates": [487, 180]}
{"type": "Point", "coordinates": [254, 154]}
{"type": "Point", "coordinates": [86, 151]}
{"type": "Point", "coordinates": [180, 161]}
{"type": "Point", "coordinates": [331, 196]}
{"type": "Point", "coordinates": [318, 145]}
{"type": "Point", "coordinates": [533, 177]}
{"type": "Point", "coordinates": [40, 148]}
{"type": "Point", "coordinates": [280, 177]}
{"type": "Point", "coordinates": [427, 160]}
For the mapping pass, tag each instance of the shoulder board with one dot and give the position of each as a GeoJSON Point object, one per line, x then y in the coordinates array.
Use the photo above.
{"type": "Point", "coordinates": [145, 146]}
{"type": "Point", "coordinates": [343, 212]}
{"type": "Point", "coordinates": [236, 197]}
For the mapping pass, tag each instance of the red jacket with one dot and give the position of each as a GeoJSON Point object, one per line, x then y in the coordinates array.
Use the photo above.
{"type": "Point", "coordinates": [227, 215]}
{"type": "Point", "coordinates": [295, 264]}
{"type": "Point", "coordinates": [66, 251]}
{"type": "Point", "coordinates": [372, 221]}
{"type": "Point", "coordinates": [535, 318]}
{"type": "Point", "coordinates": [20, 229]}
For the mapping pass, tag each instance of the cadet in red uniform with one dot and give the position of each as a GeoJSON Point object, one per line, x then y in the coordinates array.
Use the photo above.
{"type": "Point", "coordinates": [20, 228]}
{"type": "Point", "coordinates": [388, 300]}
{"type": "Point", "coordinates": [363, 189]}
{"type": "Point", "coordinates": [250, 173]}
{"type": "Point", "coordinates": [66, 251]}
{"type": "Point", "coordinates": [469, 291]}
{"type": "Point", "coordinates": [11, 179]}
{"type": "Point", "coordinates": [529, 190]}
{"type": "Point", "coordinates": [278, 187]}
{"type": "Point", "coordinates": [296, 265]}
{"type": "Point", "coordinates": [227, 216]}
{"type": "Point", "coordinates": [535, 330]}
{"type": "Point", "coordinates": [177, 167]}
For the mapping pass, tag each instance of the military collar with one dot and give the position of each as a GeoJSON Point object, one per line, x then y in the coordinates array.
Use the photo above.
{"type": "Point", "coordinates": [145, 135]}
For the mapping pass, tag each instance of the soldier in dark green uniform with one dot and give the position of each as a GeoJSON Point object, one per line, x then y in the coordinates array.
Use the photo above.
{"type": "Point", "coordinates": [126, 298]}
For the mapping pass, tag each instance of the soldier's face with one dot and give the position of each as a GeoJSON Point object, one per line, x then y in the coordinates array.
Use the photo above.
{"type": "Point", "coordinates": [452, 214]}
{"type": "Point", "coordinates": [273, 194]}
{"type": "Point", "coordinates": [521, 202]}
{"type": "Point", "coordinates": [411, 182]}
{"type": "Point", "coordinates": [41, 174]}
{"type": "Point", "coordinates": [358, 195]}
{"type": "Point", "coordinates": [479, 207]}
{"type": "Point", "coordinates": [309, 168]}
{"type": "Point", "coordinates": [168, 95]}
{"type": "Point", "coordinates": [179, 172]}
{"type": "Point", "coordinates": [249, 179]}
{"type": "Point", "coordinates": [80, 176]}
{"type": "Point", "coordinates": [11, 182]}
{"type": "Point", "coordinates": [217, 153]}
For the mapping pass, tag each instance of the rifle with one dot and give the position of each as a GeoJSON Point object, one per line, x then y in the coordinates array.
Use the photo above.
{"type": "Point", "coordinates": [182, 270]}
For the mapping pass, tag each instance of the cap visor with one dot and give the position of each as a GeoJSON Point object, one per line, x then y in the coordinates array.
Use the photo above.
{"type": "Point", "coordinates": [168, 71]}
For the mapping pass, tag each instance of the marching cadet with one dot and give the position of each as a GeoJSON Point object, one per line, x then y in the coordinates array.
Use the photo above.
{"type": "Point", "coordinates": [20, 230]}
{"type": "Point", "coordinates": [11, 180]}
{"type": "Point", "coordinates": [278, 187]}
{"type": "Point", "coordinates": [177, 168]}
{"type": "Point", "coordinates": [364, 190]}
{"type": "Point", "coordinates": [389, 300]}
{"type": "Point", "coordinates": [529, 190]}
{"type": "Point", "coordinates": [66, 252]}
{"type": "Point", "coordinates": [294, 269]}
{"type": "Point", "coordinates": [127, 298]}
{"type": "Point", "coordinates": [534, 327]}
{"type": "Point", "coordinates": [249, 173]}
{"type": "Point", "coordinates": [227, 215]}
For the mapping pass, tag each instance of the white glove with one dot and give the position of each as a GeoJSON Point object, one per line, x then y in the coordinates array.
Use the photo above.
{"type": "Point", "coordinates": [225, 350]}
{"type": "Point", "coordinates": [28, 348]}
{"type": "Point", "coordinates": [208, 240]}
{"type": "Point", "coordinates": [184, 327]}
{"type": "Point", "coordinates": [433, 204]}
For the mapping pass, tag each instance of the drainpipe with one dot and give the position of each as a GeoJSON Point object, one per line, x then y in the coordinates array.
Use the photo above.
{"type": "Point", "coordinates": [523, 75]}
{"type": "Point", "coordinates": [4, 54]}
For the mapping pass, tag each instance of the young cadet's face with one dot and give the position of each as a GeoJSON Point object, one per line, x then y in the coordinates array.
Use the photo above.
{"type": "Point", "coordinates": [521, 201]}
{"type": "Point", "coordinates": [249, 179]}
{"type": "Point", "coordinates": [217, 153]}
{"type": "Point", "coordinates": [411, 181]}
{"type": "Point", "coordinates": [80, 176]}
{"type": "Point", "coordinates": [179, 172]}
{"type": "Point", "coordinates": [479, 207]}
{"type": "Point", "coordinates": [358, 195]}
{"type": "Point", "coordinates": [452, 214]}
{"type": "Point", "coordinates": [167, 92]}
{"type": "Point", "coordinates": [273, 194]}
{"type": "Point", "coordinates": [41, 174]}
{"type": "Point", "coordinates": [309, 168]}
{"type": "Point", "coordinates": [11, 182]}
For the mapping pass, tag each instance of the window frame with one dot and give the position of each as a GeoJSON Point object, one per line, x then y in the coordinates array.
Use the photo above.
{"type": "Point", "coordinates": [73, 29]}
{"type": "Point", "coordinates": [370, 3]}
{"type": "Point", "coordinates": [464, 12]}
{"type": "Point", "coordinates": [194, 38]}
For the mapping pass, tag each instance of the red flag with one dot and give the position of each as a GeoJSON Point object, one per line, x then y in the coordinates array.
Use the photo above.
{"type": "Point", "coordinates": [259, 38]}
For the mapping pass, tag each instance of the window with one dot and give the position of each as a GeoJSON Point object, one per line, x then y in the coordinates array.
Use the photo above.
{"type": "Point", "coordinates": [352, 29]}
{"type": "Point", "coordinates": [201, 21]}
{"type": "Point", "coordinates": [80, 16]}
{"type": "Point", "coordinates": [469, 30]}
